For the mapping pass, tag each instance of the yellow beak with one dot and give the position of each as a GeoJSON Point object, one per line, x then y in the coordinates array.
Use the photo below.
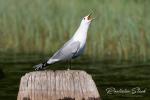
{"type": "Point", "coordinates": [89, 17]}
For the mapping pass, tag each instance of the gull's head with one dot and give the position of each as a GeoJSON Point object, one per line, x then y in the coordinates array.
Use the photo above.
{"type": "Point", "coordinates": [87, 19]}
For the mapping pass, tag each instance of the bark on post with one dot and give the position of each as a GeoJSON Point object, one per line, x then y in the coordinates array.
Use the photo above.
{"type": "Point", "coordinates": [58, 85]}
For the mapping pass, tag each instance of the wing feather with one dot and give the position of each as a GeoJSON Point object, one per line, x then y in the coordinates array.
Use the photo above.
{"type": "Point", "coordinates": [66, 52]}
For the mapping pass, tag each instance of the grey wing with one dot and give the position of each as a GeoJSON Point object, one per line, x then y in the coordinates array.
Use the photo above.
{"type": "Point", "coordinates": [66, 52]}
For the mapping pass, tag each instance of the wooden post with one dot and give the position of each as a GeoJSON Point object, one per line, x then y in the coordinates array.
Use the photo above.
{"type": "Point", "coordinates": [58, 85]}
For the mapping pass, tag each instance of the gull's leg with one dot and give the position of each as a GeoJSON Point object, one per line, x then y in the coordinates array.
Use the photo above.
{"type": "Point", "coordinates": [69, 64]}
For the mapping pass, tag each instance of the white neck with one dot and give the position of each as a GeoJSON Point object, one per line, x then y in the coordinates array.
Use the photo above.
{"type": "Point", "coordinates": [81, 33]}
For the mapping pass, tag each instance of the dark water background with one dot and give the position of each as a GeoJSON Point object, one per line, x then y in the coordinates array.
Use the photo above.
{"type": "Point", "coordinates": [118, 76]}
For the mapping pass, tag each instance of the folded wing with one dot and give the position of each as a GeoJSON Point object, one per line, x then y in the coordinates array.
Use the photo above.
{"type": "Point", "coordinates": [66, 52]}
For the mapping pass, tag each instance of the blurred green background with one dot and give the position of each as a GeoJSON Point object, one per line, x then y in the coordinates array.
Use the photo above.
{"type": "Point", "coordinates": [117, 52]}
{"type": "Point", "coordinates": [120, 31]}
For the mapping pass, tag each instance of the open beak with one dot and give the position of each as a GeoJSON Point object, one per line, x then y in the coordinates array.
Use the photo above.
{"type": "Point", "coordinates": [89, 17]}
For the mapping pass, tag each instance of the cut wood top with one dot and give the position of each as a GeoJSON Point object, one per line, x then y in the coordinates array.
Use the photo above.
{"type": "Point", "coordinates": [58, 85]}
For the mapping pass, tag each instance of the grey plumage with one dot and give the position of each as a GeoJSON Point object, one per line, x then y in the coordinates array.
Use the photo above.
{"type": "Point", "coordinates": [68, 51]}
{"type": "Point", "coordinates": [73, 48]}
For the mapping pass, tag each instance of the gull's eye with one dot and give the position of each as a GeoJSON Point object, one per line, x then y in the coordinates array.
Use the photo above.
{"type": "Point", "coordinates": [84, 18]}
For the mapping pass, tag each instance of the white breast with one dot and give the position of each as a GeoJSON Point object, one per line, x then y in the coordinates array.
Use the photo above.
{"type": "Point", "coordinates": [81, 35]}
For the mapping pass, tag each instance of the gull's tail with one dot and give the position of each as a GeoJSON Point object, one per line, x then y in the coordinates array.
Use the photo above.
{"type": "Point", "coordinates": [40, 66]}
{"type": "Point", "coordinates": [44, 65]}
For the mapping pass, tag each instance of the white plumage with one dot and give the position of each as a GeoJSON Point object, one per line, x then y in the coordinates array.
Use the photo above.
{"type": "Point", "coordinates": [73, 48]}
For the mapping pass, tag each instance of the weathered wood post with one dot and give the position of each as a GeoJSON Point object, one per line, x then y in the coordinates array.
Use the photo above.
{"type": "Point", "coordinates": [58, 85]}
